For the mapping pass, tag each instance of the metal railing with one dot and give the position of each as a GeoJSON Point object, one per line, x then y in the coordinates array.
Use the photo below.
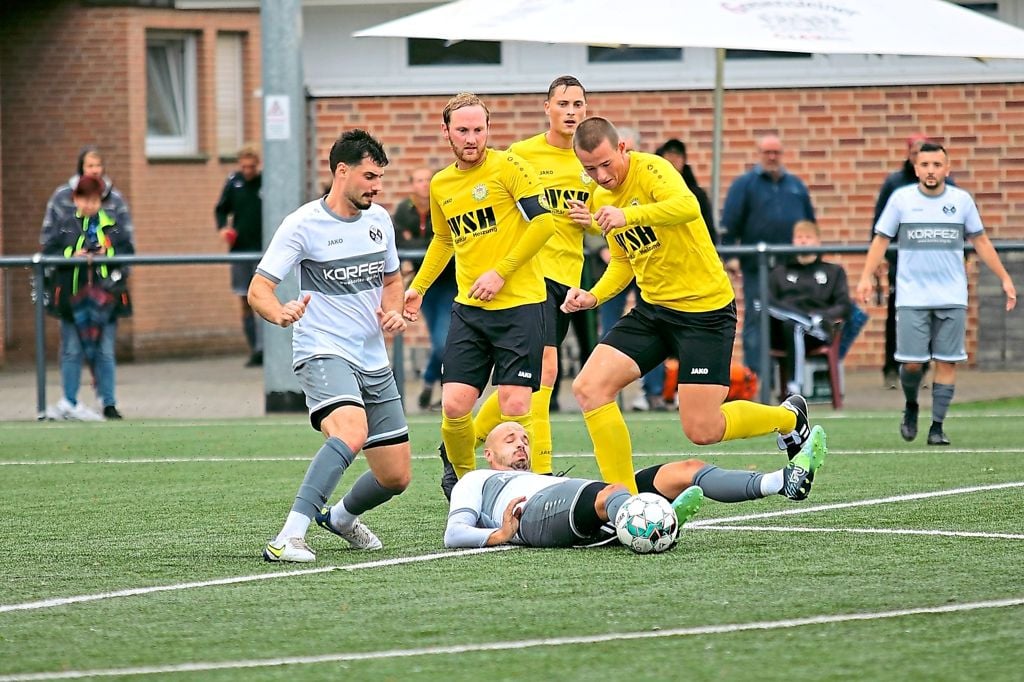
{"type": "Point", "coordinates": [763, 252]}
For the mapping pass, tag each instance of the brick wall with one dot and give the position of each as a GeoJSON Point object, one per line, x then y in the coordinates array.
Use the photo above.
{"type": "Point", "coordinates": [841, 141]}
{"type": "Point", "coordinates": [92, 90]}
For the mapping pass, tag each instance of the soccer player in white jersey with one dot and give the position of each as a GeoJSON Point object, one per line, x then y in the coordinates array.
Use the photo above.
{"type": "Point", "coordinates": [931, 219]}
{"type": "Point", "coordinates": [509, 504]}
{"type": "Point", "coordinates": [342, 248]}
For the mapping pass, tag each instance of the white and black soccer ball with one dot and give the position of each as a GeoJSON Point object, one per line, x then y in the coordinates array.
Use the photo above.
{"type": "Point", "coordinates": [647, 524]}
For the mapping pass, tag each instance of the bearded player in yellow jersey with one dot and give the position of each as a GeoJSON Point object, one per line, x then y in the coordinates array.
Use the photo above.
{"type": "Point", "coordinates": [561, 259]}
{"type": "Point", "coordinates": [489, 209]}
{"type": "Point", "coordinates": [687, 309]}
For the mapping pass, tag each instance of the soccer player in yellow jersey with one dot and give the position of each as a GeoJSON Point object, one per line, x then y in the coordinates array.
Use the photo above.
{"type": "Point", "coordinates": [686, 308]}
{"type": "Point", "coordinates": [561, 259]}
{"type": "Point", "coordinates": [489, 209]}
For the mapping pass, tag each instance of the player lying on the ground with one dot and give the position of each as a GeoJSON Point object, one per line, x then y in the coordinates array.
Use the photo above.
{"type": "Point", "coordinates": [507, 503]}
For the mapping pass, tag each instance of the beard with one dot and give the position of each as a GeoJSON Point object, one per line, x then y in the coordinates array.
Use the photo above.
{"type": "Point", "coordinates": [360, 202]}
{"type": "Point", "coordinates": [521, 465]}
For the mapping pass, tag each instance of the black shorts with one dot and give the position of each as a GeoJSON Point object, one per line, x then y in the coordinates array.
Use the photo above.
{"type": "Point", "coordinates": [510, 341]}
{"type": "Point", "coordinates": [556, 323]}
{"type": "Point", "coordinates": [701, 341]}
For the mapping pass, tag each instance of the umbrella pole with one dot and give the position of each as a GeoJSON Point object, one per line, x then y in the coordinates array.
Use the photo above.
{"type": "Point", "coordinates": [716, 135]}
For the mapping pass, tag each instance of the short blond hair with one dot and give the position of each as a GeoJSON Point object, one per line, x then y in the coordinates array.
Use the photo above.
{"type": "Point", "coordinates": [808, 225]}
{"type": "Point", "coordinates": [249, 151]}
{"type": "Point", "coordinates": [461, 101]}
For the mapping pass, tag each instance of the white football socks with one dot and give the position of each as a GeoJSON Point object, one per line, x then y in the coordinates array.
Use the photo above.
{"type": "Point", "coordinates": [771, 484]}
{"type": "Point", "coordinates": [341, 518]}
{"type": "Point", "coordinates": [295, 526]}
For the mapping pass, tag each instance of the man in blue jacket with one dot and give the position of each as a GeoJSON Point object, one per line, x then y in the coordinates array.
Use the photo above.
{"type": "Point", "coordinates": [762, 205]}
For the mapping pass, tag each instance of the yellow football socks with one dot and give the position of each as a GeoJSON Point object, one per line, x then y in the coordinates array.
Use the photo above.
{"type": "Point", "coordinates": [459, 443]}
{"type": "Point", "coordinates": [744, 419]}
{"type": "Point", "coordinates": [612, 446]}
{"type": "Point", "coordinates": [540, 446]}
{"type": "Point", "coordinates": [487, 417]}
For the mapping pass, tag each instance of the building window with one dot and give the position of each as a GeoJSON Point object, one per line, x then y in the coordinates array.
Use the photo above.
{"type": "Point", "coordinates": [625, 53]}
{"type": "Point", "coordinates": [230, 98]}
{"type": "Point", "coordinates": [431, 52]}
{"type": "Point", "coordinates": [170, 94]}
{"type": "Point", "coordinates": [765, 54]}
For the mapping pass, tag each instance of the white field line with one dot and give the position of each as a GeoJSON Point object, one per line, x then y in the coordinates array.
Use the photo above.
{"type": "Point", "coordinates": [565, 455]}
{"type": "Point", "coordinates": [64, 601]}
{"type": "Point", "coordinates": [857, 503]}
{"type": "Point", "coordinates": [513, 645]}
{"type": "Point", "coordinates": [878, 531]}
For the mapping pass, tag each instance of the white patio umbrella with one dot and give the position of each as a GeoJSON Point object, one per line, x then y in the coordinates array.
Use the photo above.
{"type": "Point", "coordinates": [907, 27]}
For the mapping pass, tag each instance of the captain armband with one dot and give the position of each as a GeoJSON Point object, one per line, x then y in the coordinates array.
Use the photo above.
{"type": "Point", "coordinates": [534, 206]}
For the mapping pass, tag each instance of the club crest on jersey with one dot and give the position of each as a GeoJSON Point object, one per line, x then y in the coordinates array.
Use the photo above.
{"type": "Point", "coordinates": [376, 234]}
{"type": "Point", "coordinates": [820, 277]}
{"type": "Point", "coordinates": [480, 192]}
{"type": "Point", "coordinates": [634, 202]}
{"type": "Point", "coordinates": [949, 209]}
{"type": "Point", "coordinates": [585, 179]}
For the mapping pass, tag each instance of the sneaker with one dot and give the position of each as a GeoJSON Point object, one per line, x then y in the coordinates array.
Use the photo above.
{"type": "Point", "coordinates": [688, 503]}
{"type": "Point", "coordinates": [799, 474]}
{"type": "Point", "coordinates": [55, 413]}
{"type": "Point", "coordinates": [359, 536]}
{"type": "Point", "coordinates": [77, 413]}
{"type": "Point", "coordinates": [791, 442]}
{"type": "Point", "coordinates": [292, 549]}
{"type": "Point", "coordinates": [908, 428]}
{"type": "Point", "coordinates": [937, 437]}
{"type": "Point", "coordinates": [640, 404]}
{"type": "Point", "coordinates": [424, 400]}
{"type": "Point", "coordinates": [110, 412]}
{"type": "Point", "coordinates": [256, 360]}
{"type": "Point", "coordinates": [448, 477]}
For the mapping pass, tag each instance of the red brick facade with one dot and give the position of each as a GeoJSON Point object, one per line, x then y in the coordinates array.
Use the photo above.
{"type": "Point", "coordinates": [841, 141]}
{"type": "Point", "coordinates": [92, 89]}
{"type": "Point", "coordinates": [74, 75]}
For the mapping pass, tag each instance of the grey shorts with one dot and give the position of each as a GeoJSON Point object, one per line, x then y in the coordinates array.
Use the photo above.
{"type": "Point", "coordinates": [241, 275]}
{"type": "Point", "coordinates": [547, 519]}
{"type": "Point", "coordinates": [330, 382]}
{"type": "Point", "coordinates": [924, 334]}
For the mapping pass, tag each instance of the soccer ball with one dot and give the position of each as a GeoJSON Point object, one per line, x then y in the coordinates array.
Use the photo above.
{"type": "Point", "coordinates": [743, 383]}
{"type": "Point", "coordinates": [647, 524]}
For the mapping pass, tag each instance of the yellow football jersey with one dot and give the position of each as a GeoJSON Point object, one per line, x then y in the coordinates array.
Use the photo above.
{"type": "Point", "coordinates": [476, 213]}
{"type": "Point", "coordinates": [563, 178]}
{"type": "Point", "coordinates": [665, 241]}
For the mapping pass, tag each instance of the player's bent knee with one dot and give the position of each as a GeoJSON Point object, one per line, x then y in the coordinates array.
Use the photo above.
{"type": "Point", "coordinates": [703, 434]}
{"type": "Point", "coordinates": [396, 481]}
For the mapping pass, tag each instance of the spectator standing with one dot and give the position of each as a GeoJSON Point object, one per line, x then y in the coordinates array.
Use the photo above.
{"type": "Point", "coordinates": [674, 151]}
{"type": "Point", "coordinates": [61, 205]}
{"type": "Point", "coordinates": [239, 214]}
{"type": "Point", "coordinates": [88, 299]}
{"type": "Point", "coordinates": [762, 205]}
{"type": "Point", "coordinates": [414, 231]}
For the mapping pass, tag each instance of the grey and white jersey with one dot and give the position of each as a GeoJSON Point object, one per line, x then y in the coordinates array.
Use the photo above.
{"type": "Point", "coordinates": [479, 501]}
{"type": "Point", "coordinates": [931, 233]}
{"type": "Point", "coordinates": [341, 263]}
